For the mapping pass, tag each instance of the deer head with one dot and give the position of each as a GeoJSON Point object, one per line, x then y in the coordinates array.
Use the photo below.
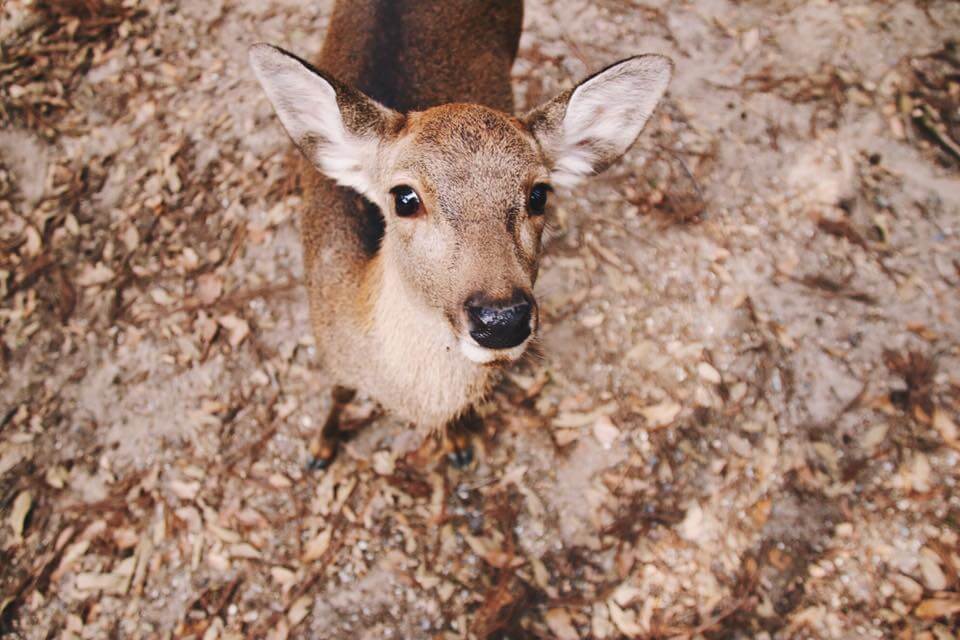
{"type": "Point", "coordinates": [463, 188]}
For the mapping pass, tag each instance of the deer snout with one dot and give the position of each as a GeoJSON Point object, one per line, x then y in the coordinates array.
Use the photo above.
{"type": "Point", "coordinates": [500, 324]}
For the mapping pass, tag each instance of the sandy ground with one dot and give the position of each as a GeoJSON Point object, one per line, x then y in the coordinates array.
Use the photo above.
{"type": "Point", "coordinates": [742, 424]}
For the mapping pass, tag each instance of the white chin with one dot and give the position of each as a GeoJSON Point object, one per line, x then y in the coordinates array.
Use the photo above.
{"type": "Point", "coordinates": [481, 355]}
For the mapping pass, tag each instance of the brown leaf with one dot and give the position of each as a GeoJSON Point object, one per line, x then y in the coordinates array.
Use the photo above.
{"type": "Point", "coordinates": [937, 608]}
{"type": "Point", "coordinates": [18, 515]}
{"type": "Point", "coordinates": [314, 549]}
{"type": "Point", "coordinates": [91, 276]}
{"type": "Point", "coordinates": [237, 328]}
{"type": "Point", "coordinates": [559, 622]}
{"type": "Point", "coordinates": [661, 415]}
{"type": "Point", "coordinates": [209, 288]}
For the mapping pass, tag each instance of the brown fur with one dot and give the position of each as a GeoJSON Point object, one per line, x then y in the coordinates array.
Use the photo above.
{"type": "Point", "coordinates": [417, 93]}
{"type": "Point", "coordinates": [443, 54]}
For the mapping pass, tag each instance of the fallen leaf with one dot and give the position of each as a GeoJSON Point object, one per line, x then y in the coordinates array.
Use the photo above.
{"type": "Point", "coordinates": [91, 276]}
{"type": "Point", "coordinates": [112, 583]}
{"type": "Point", "coordinates": [314, 549]}
{"type": "Point", "coordinates": [244, 550]}
{"type": "Point", "coordinates": [874, 436]}
{"type": "Point", "coordinates": [383, 463]}
{"type": "Point", "coordinates": [563, 437]}
{"type": "Point", "coordinates": [708, 373]}
{"type": "Point", "coordinates": [237, 327]}
{"type": "Point", "coordinates": [161, 297]}
{"type": "Point", "coordinates": [560, 624]}
{"type": "Point", "coordinates": [692, 525]}
{"type": "Point", "coordinates": [18, 515]}
{"type": "Point", "coordinates": [600, 622]}
{"type": "Point", "coordinates": [624, 620]}
{"type": "Point", "coordinates": [760, 511]}
{"type": "Point", "coordinates": [283, 576]}
{"type": "Point", "coordinates": [937, 608]}
{"type": "Point", "coordinates": [299, 610]}
{"type": "Point", "coordinates": [661, 415]}
{"type": "Point", "coordinates": [184, 490]}
{"type": "Point", "coordinates": [576, 420]}
{"type": "Point", "coordinates": [910, 590]}
{"type": "Point", "coordinates": [945, 426]}
{"type": "Point", "coordinates": [933, 576]}
{"type": "Point", "coordinates": [209, 288]}
{"type": "Point", "coordinates": [605, 431]}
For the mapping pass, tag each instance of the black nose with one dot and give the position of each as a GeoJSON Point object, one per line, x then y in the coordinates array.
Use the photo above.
{"type": "Point", "coordinates": [499, 324]}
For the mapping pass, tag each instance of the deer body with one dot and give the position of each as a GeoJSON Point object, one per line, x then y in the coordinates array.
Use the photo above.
{"type": "Point", "coordinates": [370, 330]}
{"type": "Point", "coordinates": [424, 197]}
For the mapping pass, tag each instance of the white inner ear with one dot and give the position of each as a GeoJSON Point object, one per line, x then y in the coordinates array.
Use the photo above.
{"type": "Point", "coordinates": [605, 115]}
{"type": "Point", "coordinates": [307, 107]}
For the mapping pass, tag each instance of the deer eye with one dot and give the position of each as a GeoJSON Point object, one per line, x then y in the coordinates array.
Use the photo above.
{"type": "Point", "coordinates": [406, 202]}
{"type": "Point", "coordinates": [538, 198]}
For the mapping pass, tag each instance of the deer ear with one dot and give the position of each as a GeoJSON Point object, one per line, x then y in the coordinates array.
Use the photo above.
{"type": "Point", "coordinates": [586, 129]}
{"type": "Point", "coordinates": [337, 128]}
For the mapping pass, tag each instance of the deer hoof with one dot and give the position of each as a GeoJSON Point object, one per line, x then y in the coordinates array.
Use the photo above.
{"type": "Point", "coordinates": [461, 458]}
{"type": "Point", "coordinates": [319, 464]}
{"type": "Point", "coordinates": [323, 456]}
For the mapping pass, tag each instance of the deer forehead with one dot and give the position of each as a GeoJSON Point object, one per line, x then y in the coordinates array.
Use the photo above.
{"type": "Point", "coordinates": [464, 148]}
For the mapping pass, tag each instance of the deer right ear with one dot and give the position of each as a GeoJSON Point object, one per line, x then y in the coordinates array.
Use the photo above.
{"type": "Point", "coordinates": [337, 128]}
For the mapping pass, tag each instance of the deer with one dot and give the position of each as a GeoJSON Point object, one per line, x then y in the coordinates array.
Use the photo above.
{"type": "Point", "coordinates": [425, 197]}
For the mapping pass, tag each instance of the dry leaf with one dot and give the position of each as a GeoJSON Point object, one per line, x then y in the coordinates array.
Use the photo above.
{"type": "Point", "coordinates": [944, 426]}
{"type": "Point", "coordinates": [209, 288]}
{"type": "Point", "coordinates": [238, 328]}
{"type": "Point", "coordinates": [874, 436]}
{"type": "Point", "coordinates": [244, 550]}
{"type": "Point", "coordinates": [563, 437]}
{"type": "Point", "coordinates": [605, 431]}
{"type": "Point", "coordinates": [383, 463]}
{"type": "Point", "coordinates": [576, 420]}
{"type": "Point", "coordinates": [600, 622]}
{"type": "Point", "coordinates": [33, 242]}
{"type": "Point", "coordinates": [184, 490]}
{"type": "Point", "coordinates": [92, 276]}
{"type": "Point", "coordinates": [113, 583]}
{"type": "Point", "coordinates": [559, 622]}
{"type": "Point", "coordinates": [18, 515]}
{"type": "Point", "coordinates": [708, 373]}
{"type": "Point", "coordinates": [161, 297]}
{"type": "Point", "coordinates": [661, 415]}
{"type": "Point", "coordinates": [624, 620]}
{"type": "Point", "coordinates": [910, 590]}
{"type": "Point", "coordinates": [314, 549]}
{"type": "Point", "coordinates": [283, 576]}
{"type": "Point", "coordinates": [760, 511]}
{"type": "Point", "coordinates": [299, 610]}
{"type": "Point", "coordinates": [933, 576]}
{"type": "Point", "coordinates": [692, 526]}
{"type": "Point", "coordinates": [920, 472]}
{"type": "Point", "coordinates": [937, 608]}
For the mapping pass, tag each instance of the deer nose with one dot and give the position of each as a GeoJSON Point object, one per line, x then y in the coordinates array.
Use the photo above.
{"type": "Point", "coordinates": [500, 324]}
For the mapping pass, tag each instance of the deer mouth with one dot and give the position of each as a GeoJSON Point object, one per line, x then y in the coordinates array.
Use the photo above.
{"type": "Point", "coordinates": [479, 354]}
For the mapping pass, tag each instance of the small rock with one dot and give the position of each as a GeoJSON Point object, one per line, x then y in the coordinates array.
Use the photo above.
{"type": "Point", "coordinates": [383, 463]}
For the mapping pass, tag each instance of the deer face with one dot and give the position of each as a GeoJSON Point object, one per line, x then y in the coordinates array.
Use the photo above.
{"type": "Point", "coordinates": [463, 188]}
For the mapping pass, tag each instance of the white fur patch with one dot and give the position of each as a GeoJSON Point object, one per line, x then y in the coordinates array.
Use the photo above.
{"type": "Point", "coordinates": [481, 355]}
{"type": "Point", "coordinates": [307, 107]}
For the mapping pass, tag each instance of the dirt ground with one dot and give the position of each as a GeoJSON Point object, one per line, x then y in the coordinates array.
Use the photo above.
{"type": "Point", "coordinates": [743, 423]}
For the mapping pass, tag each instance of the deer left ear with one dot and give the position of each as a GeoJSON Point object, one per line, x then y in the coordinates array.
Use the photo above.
{"type": "Point", "coordinates": [337, 127]}
{"type": "Point", "coordinates": [586, 129]}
